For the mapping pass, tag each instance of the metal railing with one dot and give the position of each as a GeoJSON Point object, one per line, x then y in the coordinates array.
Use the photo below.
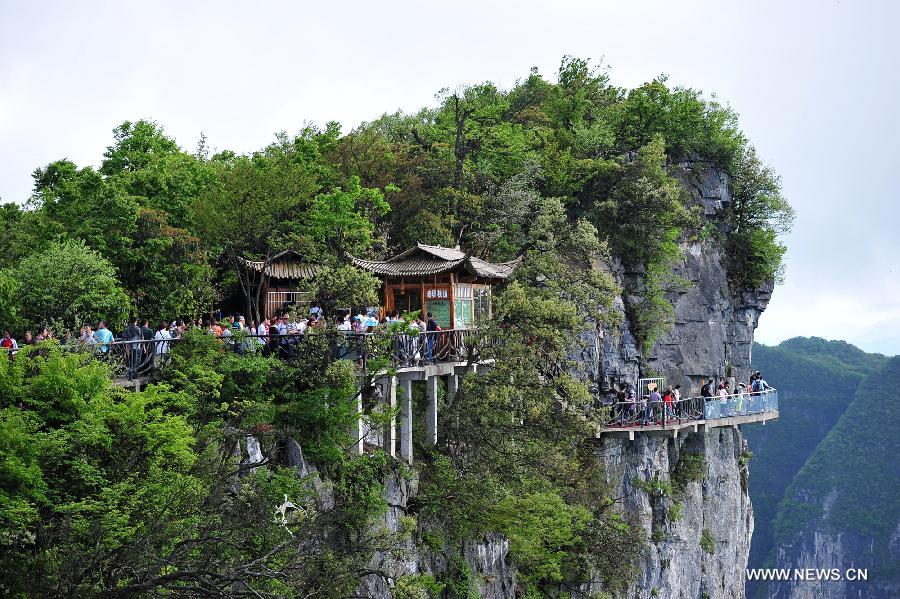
{"type": "Point", "coordinates": [142, 358]}
{"type": "Point", "coordinates": [642, 413]}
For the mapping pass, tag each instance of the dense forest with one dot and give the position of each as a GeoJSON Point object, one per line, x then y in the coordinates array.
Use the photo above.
{"type": "Point", "coordinates": [115, 493]}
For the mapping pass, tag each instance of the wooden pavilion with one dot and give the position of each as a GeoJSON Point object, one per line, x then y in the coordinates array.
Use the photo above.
{"type": "Point", "coordinates": [284, 283]}
{"type": "Point", "coordinates": [454, 286]}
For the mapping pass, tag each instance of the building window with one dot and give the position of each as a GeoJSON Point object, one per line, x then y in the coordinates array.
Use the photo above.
{"type": "Point", "coordinates": [482, 303]}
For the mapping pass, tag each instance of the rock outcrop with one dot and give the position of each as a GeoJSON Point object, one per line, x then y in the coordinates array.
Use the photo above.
{"type": "Point", "coordinates": [712, 336]}
{"type": "Point", "coordinates": [698, 537]}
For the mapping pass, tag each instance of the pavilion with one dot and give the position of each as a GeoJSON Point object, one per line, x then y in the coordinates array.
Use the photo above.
{"type": "Point", "coordinates": [454, 286]}
{"type": "Point", "coordinates": [285, 281]}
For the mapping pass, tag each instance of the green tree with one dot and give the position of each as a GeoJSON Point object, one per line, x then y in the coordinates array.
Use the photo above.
{"type": "Point", "coordinates": [346, 217]}
{"type": "Point", "coordinates": [167, 272]}
{"type": "Point", "coordinates": [344, 287]}
{"type": "Point", "coordinates": [71, 284]}
{"type": "Point", "coordinates": [758, 215]}
{"type": "Point", "coordinates": [147, 164]}
{"type": "Point", "coordinates": [512, 457]}
{"type": "Point", "coordinates": [254, 212]}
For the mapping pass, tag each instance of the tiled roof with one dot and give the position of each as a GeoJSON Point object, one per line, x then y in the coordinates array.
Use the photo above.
{"type": "Point", "coordinates": [489, 270]}
{"type": "Point", "coordinates": [422, 260]}
{"type": "Point", "coordinates": [437, 251]}
{"type": "Point", "coordinates": [286, 265]}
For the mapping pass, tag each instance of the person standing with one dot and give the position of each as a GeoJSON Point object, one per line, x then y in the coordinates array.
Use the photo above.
{"type": "Point", "coordinates": [134, 337]}
{"type": "Point", "coordinates": [103, 336]}
{"type": "Point", "coordinates": [676, 398]}
{"type": "Point", "coordinates": [705, 391]}
{"type": "Point", "coordinates": [655, 402]}
{"type": "Point", "coordinates": [162, 340]}
{"type": "Point", "coordinates": [431, 332]}
{"type": "Point", "coordinates": [9, 344]}
{"type": "Point", "coordinates": [669, 407]}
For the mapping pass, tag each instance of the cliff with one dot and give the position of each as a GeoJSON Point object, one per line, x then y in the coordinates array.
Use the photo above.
{"type": "Point", "coordinates": [712, 336]}
{"type": "Point", "coordinates": [688, 494]}
{"type": "Point", "coordinates": [699, 536]}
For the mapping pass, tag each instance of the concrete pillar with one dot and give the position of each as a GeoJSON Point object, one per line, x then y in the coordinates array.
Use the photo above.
{"type": "Point", "coordinates": [452, 386]}
{"type": "Point", "coordinates": [389, 393]}
{"type": "Point", "coordinates": [431, 410]}
{"type": "Point", "coordinates": [357, 431]}
{"type": "Point", "coordinates": [406, 416]}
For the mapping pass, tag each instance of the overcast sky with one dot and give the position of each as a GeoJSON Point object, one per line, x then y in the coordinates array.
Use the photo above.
{"type": "Point", "coordinates": [817, 85]}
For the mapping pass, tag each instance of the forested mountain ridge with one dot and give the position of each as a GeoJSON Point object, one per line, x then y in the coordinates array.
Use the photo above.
{"type": "Point", "coordinates": [107, 492]}
{"type": "Point", "coordinates": [817, 382]}
{"type": "Point", "coordinates": [842, 509]}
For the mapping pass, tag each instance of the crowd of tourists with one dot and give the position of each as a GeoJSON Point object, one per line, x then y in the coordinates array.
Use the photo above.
{"type": "Point", "coordinates": [656, 406]}
{"type": "Point", "coordinates": [142, 344]}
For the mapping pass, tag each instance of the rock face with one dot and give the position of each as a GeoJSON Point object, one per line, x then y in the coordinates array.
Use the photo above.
{"type": "Point", "coordinates": [487, 558]}
{"type": "Point", "coordinates": [712, 336]}
{"type": "Point", "coordinates": [713, 328]}
{"type": "Point", "coordinates": [698, 538]}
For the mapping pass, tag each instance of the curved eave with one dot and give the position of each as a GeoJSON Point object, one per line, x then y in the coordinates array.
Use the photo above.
{"type": "Point", "coordinates": [408, 268]}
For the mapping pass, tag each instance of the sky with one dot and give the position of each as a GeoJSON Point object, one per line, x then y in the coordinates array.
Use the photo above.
{"type": "Point", "coordinates": [816, 83]}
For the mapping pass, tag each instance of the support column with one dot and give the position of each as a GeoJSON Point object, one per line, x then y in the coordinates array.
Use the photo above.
{"type": "Point", "coordinates": [406, 416]}
{"type": "Point", "coordinates": [389, 393]}
{"type": "Point", "coordinates": [452, 386]}
{"type": "Point", "coordinates": [357, 432]}
{"type": "Point", "coordinates": [431, 410]}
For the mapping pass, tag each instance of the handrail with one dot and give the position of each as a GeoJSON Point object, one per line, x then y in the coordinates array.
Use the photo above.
{"type": "Point", "coordinates": [643, 413]}
{"type": "Point", "coordinates": [142, 358]}
{"type": "Point", "coordinates": [400, 349]}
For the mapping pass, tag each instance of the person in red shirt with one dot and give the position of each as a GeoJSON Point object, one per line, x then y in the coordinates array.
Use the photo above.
{"type": "Point", "coordinates": [9, 345]}
{"type": "Point", "coordinates": [669, 405]}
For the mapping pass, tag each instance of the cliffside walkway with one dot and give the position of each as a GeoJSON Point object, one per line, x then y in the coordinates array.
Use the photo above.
{"type": "Point", "coordinates": [695, 414]}
{"type": "Point", "coordinates": [389, 366]}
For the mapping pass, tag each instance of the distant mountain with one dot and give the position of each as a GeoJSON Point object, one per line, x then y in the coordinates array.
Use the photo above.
{"type": "Point", "coordinates": [842, 510]}
{"type": "Point", "coordinates": [813, 469]}
{"type": "Point", "coordinates": [816, 380]}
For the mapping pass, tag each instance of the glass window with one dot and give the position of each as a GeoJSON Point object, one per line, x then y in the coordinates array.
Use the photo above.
{"type": "Point", "coordinates": [482, 307]}
{"type": "Point", "coordinates": [462, 313]}
{"type": "Point", "coordinates": [440, 309]}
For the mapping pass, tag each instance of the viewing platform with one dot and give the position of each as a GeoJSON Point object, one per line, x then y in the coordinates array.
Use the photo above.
{"type": "Point", "coordinates": [692, 415]}
{"type": "Point", "coordinates": [391, 363]}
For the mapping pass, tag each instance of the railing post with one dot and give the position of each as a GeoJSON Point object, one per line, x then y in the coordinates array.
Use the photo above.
{"type": "Point", "coordinates": [357, 431]}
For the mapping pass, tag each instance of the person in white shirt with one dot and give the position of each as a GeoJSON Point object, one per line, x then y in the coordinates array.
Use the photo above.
{"type": "Point", "coordinates": [162, 337]}
{"type": "Point", "coordinates": [263, 328]}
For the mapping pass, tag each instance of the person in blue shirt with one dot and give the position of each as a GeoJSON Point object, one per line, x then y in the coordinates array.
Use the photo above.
{"type": "Point", "coordinates": [103, 336]}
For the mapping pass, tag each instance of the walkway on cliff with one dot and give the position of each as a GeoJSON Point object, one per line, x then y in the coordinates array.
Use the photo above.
{"type": "Point", "coordinates": [692, 415]}
{"type": "Point", "coordinates": [404, 358]}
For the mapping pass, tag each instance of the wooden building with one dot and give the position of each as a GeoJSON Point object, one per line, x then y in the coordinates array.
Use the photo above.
{"type": "Point", "coordinates": [454, 286]}
{"type": "Point", "coordinates": [284, 283]}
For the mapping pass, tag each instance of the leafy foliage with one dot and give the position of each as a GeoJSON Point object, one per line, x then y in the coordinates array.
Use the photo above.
{"type": "Point", "coordinates": [344, 287]}
{"type": "Point", "coordinates": [70, 283]}
{"type": "Point", "coordinates": [140, 493]}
